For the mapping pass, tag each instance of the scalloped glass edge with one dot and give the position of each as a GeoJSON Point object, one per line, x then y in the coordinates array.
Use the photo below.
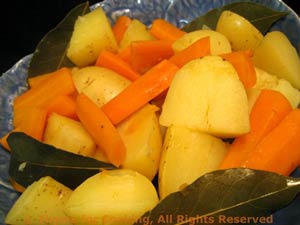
{"type": "Point", "coordinates": [13, 82]}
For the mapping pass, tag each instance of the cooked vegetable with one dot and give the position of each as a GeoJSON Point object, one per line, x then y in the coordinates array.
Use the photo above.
{"type": "Point", "coordinates": [112, 197]}
{"type": "Point", "coordinates": [41, 203]}
{"type": "Point", "coordinates": [164, 30]}
{"type": "Point", "coordinates": [69, 135]}
{"type": "Point", "coordinates": [35, 81]}
{"type": "Point", "coordinates": [99, 84]}
{"type": "Point", "coordinates": [207, 95]}
{"type": "Point", "coordinates": [282, 61]}
{"type": "Point", "coordinates": [114, 62]}
{"type": "Point", "coordinates": [243, 64]}
{"type": "Point", "coordinates": [136, 31]}
{"type": "Point", "coordinates": [189, 153]}
{"type": "Point", "coordinates": [140, 92]}
{"type": "Point", "coordinates": [60, 83]}
{"type": "Point", "coordinates": [279, 151]}
{"type": "Point", "coordinates": [101, 129]}
{"type": "Point", "coordinates": [142, 137]}
{"type": "Point", "coordinates": [219, 44]}
{"type": "Point", "coordinates": [120, 27]}
{"type": "Point", "coordinates": [268, 81]}
{"type": "Point", "coordinates": [241, 34]}
{"type": "Point", "coordinates": [146, 54]}
{"type": "Point", "coordinates": [196, 50]}
{"type": "Point", "coordinates": [92, 34]}
{"type": "Point", "coordinates": [63, 105]}
{"type": "Point", "coordinates": [268, 111]}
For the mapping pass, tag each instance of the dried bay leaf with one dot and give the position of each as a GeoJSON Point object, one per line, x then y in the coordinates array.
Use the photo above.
{"type": "Point", "coordinates": [259, 15]}
{"type": "Point", "coordinates": [50, 53]}
{"type": "Point", "coordinates": [240, 194]}
{"type": "Point", "coordinates": [31, 160]}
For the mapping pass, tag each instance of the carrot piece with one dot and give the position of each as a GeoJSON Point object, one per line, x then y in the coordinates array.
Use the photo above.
{"type": "Point", "coordinates": [243, 64]}
{"type": "Point", "coordinates": [279, 151]}
{"type": "Point", "coordinates": [145, 54]}
{"type": "Point", "coordinates": [163, 30]}
{"type": "Point", "coordinates": [32, 123]}
{"type": "Point", "coordinates": [139, 92]}
{"type": "Point", "coordinates": [125, 54]}
{"type": "Point", "coordinates": [35, 81]}
{"type": "Point", "coordinates": [116, 63]}
{"type": "Point", "coordinates": [198, 49]}
{"type": "Point", "coordinates": [101, 129]}
{"type": "Point", "coordinates": [59, 83]}
{"type": "Point", "coordinates": [268, 111]}
{"type": "Point", "coordinates": [120, 27]}
{"type": "Point", "coordinates": [64, 105]}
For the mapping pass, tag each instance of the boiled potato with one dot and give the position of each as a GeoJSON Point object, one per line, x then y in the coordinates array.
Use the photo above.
{"type": "Point", "coordinates": [98, 83]}
{"type": "Point", "coordinates": [277, 56]}
{"type": "Point", "coordinates": [218, 42]}
{"type": "Point", "coordinates": [142, 137]}
{"type": "Point", "coordinates": [92, 34]}
{"type": "Point", "coordinates": [240, 32]}
{"type": "Point", "coordinates": [112, 197]}
{"type": "Point", "coordinates": [207, 95]}
{"type": "Point", "coordinates": [187, 155]}
{"type": "Point", "coordinates": [41, 203]}
{"type": "Point", "coordinates": [136, 31]}
{"type": "Point", "coordinates": [268, 81]}
{"type": "Point", "coordinates": [69, 135]}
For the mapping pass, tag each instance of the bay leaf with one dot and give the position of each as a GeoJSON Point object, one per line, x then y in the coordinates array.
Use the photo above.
{"type": "Point", "coordinates": [259, 15]}
{"type": "Point", "coordinates": [50, 53]}
{"type": "Point", "coordinates": [241, 195]}
{"type": "Point", "coordinates": [31, 160]}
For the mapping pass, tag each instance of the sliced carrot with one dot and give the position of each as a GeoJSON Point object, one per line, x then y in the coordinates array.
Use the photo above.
{"type": "Point", "coordinates": [64, 105]}
{"type": "Point", "coordinates": [116, 63]}
{"type": "Point", "coordinates": [279, 151]}
{"type": "Point", "coordinates": [32, 123]}
{"type": "Point", "coordinates": [268, 111]}
{"type": "Point", "coordinates": [120, 27]}
{"type": "Point", "coordinates": [243, 64]}
{"type": "Point", "coordinates": [60, 83]}
{"type": "Point", "coordinates": [163, 30]}
{"type": "Point", "coordinates": [35, 81]}
{"type": "Point", "coordinates": [145, 54]}
{"type": "Point", "coordinates": [125, 54]}
{"type": "Point", "coordinates": [141, 91]}
{"type": "Point", "coordinates": [101, 129]}
{"type": "Point", "coordinates": [196, 50]}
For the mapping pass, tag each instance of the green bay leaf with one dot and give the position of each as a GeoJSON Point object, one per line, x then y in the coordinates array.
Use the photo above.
{"type": "Point", "coordinates": [32, 160]}
{"type": "Point", "coordinates": [259, 15]}
{"type": "Point", "coordinates": [50, 53]}
{"type": "Point", "coordinates": [226, 194]}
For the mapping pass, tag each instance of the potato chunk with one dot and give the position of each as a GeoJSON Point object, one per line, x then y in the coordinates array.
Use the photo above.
{"type": "Point", "coordinates": [112, 197]}
{"type": "Point", "coordinates": [41, 203]}
{"type": "Point", "coordinates": [239, 31]}
{"type": "Point", "coordinates": [69, 135]}
{"type": "Point", "coordinates": [186, 156]}
{"type": "Point", "coordinates": [277, 56]}
{"type": "Point", "coordinates": [207, 95]}
{"type": "Point", "coordinates": [92, 34]}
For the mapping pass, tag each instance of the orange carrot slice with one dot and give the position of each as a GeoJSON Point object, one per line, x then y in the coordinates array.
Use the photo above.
{"type": "Point", "coordinates": [279, 151]}
{"type": "Point", "coordinates": [141, 91]}
{"type": "Point", "coordinates": [196, 50]}
{"type": "Point", "coordinates": [116, 63]}
{"type": "Point", "coordinates": [243, 64]}
{"type": "Point", "coordinates": [120, 27]}
{"type": "Point", "coordinates": [64, 105]}
{"type": "Point", "coordinates": [268, 111]}
{"type": "Point", "coordinates": [163, 30]}
{"type": "Point", "coordinates": [101, 129]}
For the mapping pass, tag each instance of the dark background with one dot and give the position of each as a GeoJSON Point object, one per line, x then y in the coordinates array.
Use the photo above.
{"type": "Point", "coordinates": [25, 22]}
